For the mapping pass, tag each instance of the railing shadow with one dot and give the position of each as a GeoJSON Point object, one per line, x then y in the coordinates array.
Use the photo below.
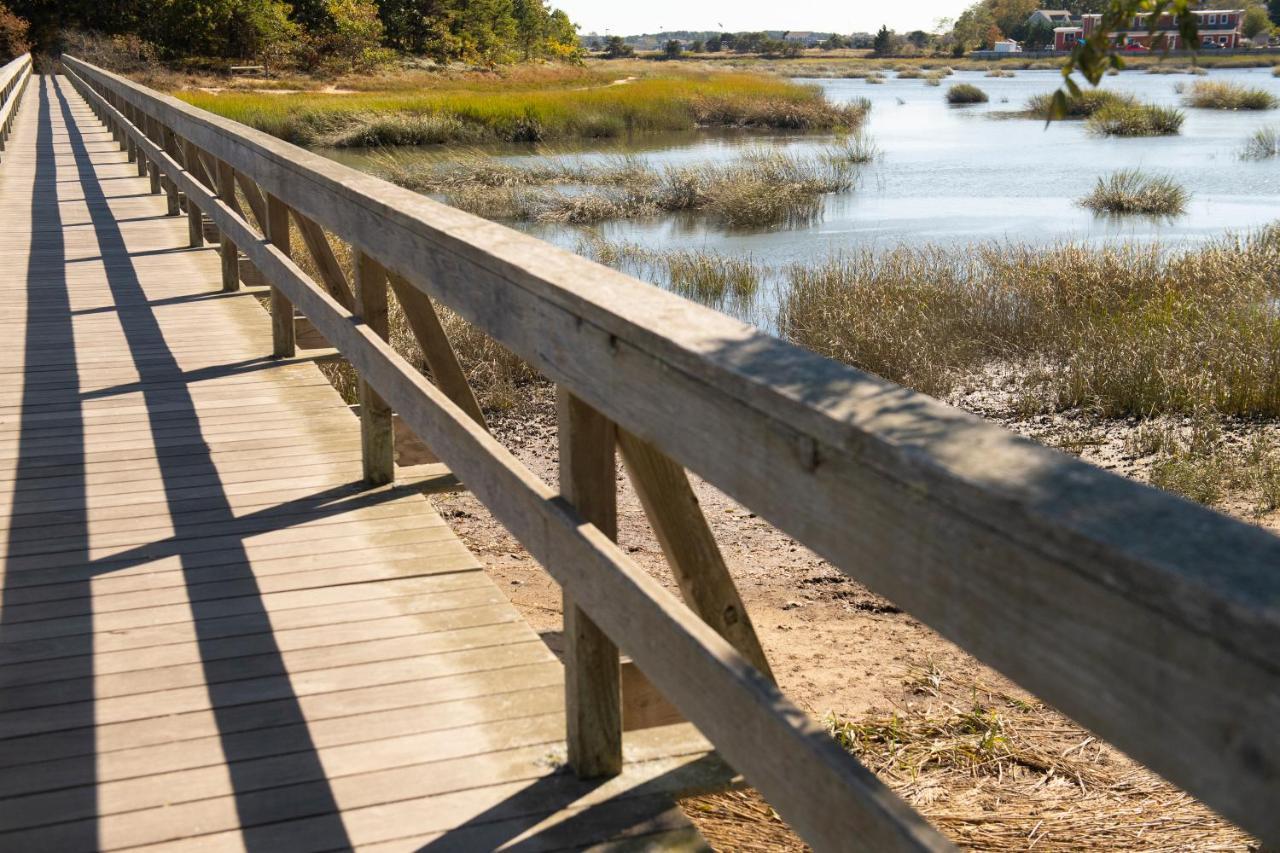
{"type": "Point", "coordinates": [290, 787]}
{"type": "Point", "coordinates": [49, 324]}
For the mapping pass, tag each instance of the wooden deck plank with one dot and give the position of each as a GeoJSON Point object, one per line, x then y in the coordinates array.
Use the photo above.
{"type": "Point", "coordinates": [212, 633]}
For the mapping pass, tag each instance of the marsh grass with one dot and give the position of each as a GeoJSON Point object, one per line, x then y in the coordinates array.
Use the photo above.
{"type": "Point", "coordinates": [966, 93]}
{"type": "Point", "coordinates": [1130, 191]}
{"type": "Point", "coordinates": [1086, 104]}
{"type": "Point", "coordinates": [728, 283]}
{"type": "Point", "coordinates": [1262, 144]}
{"type": "Point", "coordinates": [1198, 458]}
{"type": "Point", "coordinates": [1120, 330]}
{"type": "Point", "coordinates": [1223, 95]}
{"type": "Point", "coordinates": [763, 186]}
{"type": "Point", "coordinates": [1121, 118]}
{"type": "Point", "coordinates": [1001, 72]}
{"type": "Point", "coordinates": [470, 110]}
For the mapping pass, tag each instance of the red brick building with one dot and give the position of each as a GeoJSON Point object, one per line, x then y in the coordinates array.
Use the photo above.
{"type": "Point", "coordinates": [1219, 28]}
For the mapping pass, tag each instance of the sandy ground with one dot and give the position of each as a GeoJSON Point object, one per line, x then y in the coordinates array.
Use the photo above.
{"type": "Point", "coordinates": [837, 648]}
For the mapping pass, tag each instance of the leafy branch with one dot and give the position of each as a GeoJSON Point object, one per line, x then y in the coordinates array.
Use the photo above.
{"type": "Point", "coordinates": [1095, 55]}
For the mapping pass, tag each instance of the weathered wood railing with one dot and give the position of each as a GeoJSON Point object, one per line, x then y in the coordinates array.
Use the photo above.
{"type": "Point", "coordinates": [1153, 622]}
{"type": "Point", "coordinates": [13, 79]}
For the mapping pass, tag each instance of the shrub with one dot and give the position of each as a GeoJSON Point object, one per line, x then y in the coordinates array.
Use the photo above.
{"type": "Point", "coordinates": [1133, 119]}
{"type": "Point", "coordinates": [13, 35]}
{"type": "Point", "coordinates": [966, 93]}
{"type": "Point", "coordinates": [1221, 95]}
{"type": "Point", "coordinates": [1132, 191]}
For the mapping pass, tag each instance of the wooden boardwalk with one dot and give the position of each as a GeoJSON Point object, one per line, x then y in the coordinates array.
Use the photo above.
{"type": "Point", "coordinates": [213, 635]}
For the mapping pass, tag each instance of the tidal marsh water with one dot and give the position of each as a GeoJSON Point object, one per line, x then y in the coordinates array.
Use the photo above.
{"type": "Point", "coordinates": [954, 176]}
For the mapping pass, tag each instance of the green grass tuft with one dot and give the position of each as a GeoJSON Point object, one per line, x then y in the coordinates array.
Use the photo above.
{"type": "Point", "coordinates": [1221, 95]}
{"type": "Point", "coordinates": [1121, 118]}
{"type": "Point", "coordinates": [1132, 191]}
{"type": "Point", "coordinates": [966, 93]}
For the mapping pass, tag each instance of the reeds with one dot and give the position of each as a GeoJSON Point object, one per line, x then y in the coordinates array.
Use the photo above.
{"type": "Point", "coordinates": [1222, 95]}
{"type": "Point", "coordinates": [966, 93]}
{"type": "Point", "coordinates": [727, 283]}
{"type": "Point", "coordinates": [1130, 191]}
{"type": "Point", "coordinates": [762, 187]}
{"type": "Point", "coordinates": [1262, 144]}
{"type": "Point", "coordinates": [1127, 118]}
{"type": "Point", "coordinates": [1120, 330]}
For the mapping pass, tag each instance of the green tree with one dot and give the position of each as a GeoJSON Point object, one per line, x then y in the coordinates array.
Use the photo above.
{"type": "Point", "coordinates": [1256, 21]}
{"type": "Point", "coordinates": [672, 49]}
{"type": "Point", "coordinates": [713, 43]}
{"type": "Point", "coordinates": [1273, 11]}
{"type": "Point", "coordinates": [616, 48]}
{"type": "Point", "coordinates": [883, 43]}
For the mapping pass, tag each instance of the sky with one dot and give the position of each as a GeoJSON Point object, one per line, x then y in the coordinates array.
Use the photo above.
{"type": "Point", "coordinates": [631, 17]}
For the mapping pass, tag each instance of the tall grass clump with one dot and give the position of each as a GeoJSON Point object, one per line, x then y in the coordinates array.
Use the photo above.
{"type": "Point", "coordinates": [966, 93]}
{"type": "Point", "coordinates": [1088, 102]}
{"type": "Point", "coordinates": [1001, 72]}
{"type": "Point", "coordinates": [727, 283]}
{"type": "Point", "coordinates": [1262, 144]}
{"type": "Point", "coordinates": [1223, 95]}
{"type": "Point", "coordinates": [1133, 191]}
{"type": "Point", "coordinates": [1120, 330]}
{"type": "Point", "coordinates": [1134, 119]}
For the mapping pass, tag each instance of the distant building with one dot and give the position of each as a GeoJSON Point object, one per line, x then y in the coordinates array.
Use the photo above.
{"type": "Point", "coordinates": [804, 37]}
{"type": "Point", "coordinates": [1051, 18]}
{"type": "Point", "coordinates": [1219, 28]}
{"type": "Point", "coordinates": [1065, 38]}
{"type": "Point", "coordinates": [1008, 46]}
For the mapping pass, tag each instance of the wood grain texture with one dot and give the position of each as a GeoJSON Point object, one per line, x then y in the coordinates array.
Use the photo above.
{"type": "Point", "coordinates": [214, 633]}
{"type": "Point", "coordinates": [592, 680]}
{"type": "Point", "coordinates": [690, 547]}
{"type": "Point", "coordinates": [275, 218]}
{"type": "Point", "coordinates": [1105, 580]}
{"type": "Point", "coordinates": [435, 346]}
{"type": "Point", "coordinates": [376, 432]}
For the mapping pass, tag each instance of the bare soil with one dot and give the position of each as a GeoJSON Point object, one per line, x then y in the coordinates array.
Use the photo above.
{"type": "Point", "coordinates": [843, 653]}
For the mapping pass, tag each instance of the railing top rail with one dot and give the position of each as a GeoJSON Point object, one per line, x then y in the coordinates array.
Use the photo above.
{"type": "Point", "coordinates": [1153, 621]}
{"type": "Point", "coordinates": [13, 68]}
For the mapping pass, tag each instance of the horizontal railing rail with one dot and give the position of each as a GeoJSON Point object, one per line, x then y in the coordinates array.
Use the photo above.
{"type": "Point", "coordinates": [1152, 621]}
{"type": "Point", "coordinates": [13, 79]}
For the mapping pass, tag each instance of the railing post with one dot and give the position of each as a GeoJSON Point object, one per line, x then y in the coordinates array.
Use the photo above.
{"type": "Point", "coordinates": [230, 254]}
{"type": "Point", "coordinates": [282, 329]}
{"type": "Point", "coordinates": [592, 673]}
{"type": "Point", "coordinates": [154, 170]}
{"type": "Point", "coordinates": [170, 188]}
{"type": "Point", "coordinates": [377, 439]}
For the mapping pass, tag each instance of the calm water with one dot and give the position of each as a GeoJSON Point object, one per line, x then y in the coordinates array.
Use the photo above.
{"type": "Point", "coordinates": [953, 175]}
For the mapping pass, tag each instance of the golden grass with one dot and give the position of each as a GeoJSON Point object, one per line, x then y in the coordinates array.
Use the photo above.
{"type": "Point", "coordinates": [1118, 330]}
{"type": "Point", "coordinates": [472, 110]}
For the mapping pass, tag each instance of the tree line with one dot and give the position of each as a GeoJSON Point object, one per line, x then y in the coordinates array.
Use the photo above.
{"type": "Point", "coordinates": [347, 33]}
